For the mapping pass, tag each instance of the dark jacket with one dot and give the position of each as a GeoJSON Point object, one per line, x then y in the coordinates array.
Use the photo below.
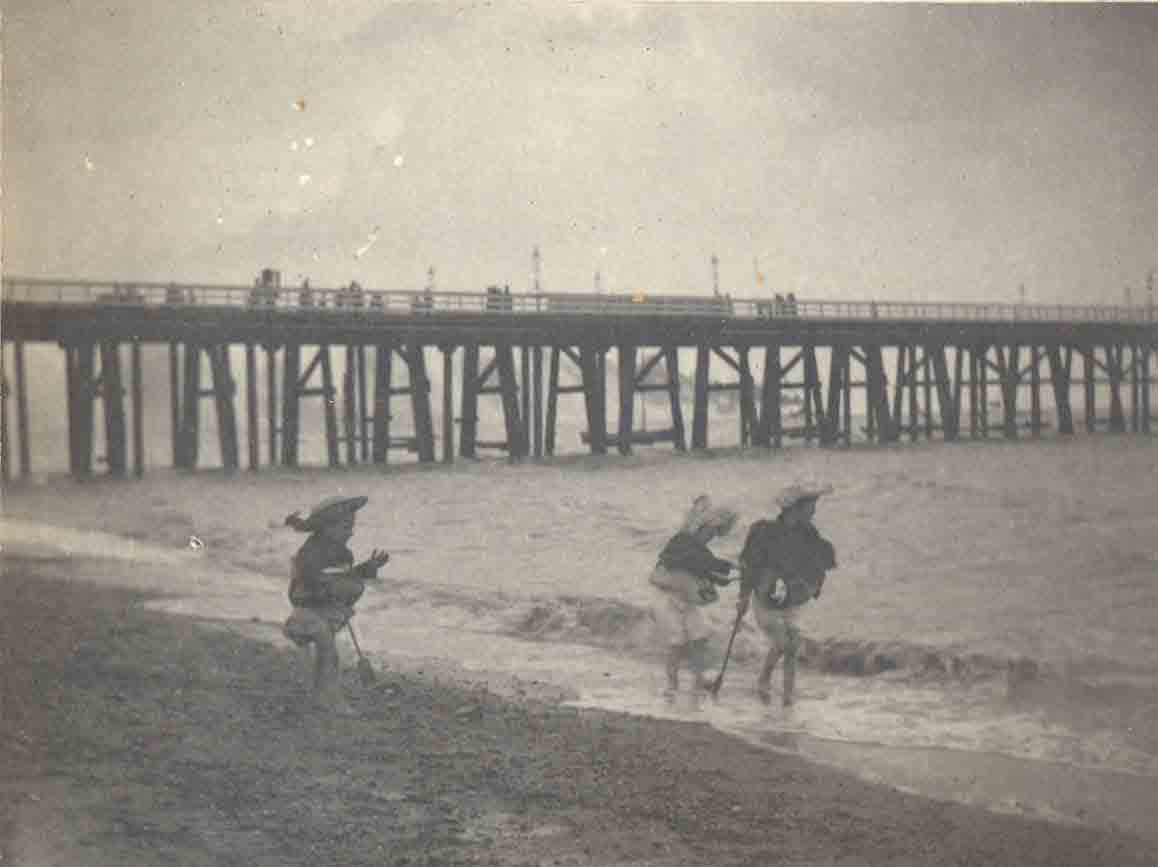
{"type": "Point", "coordinates": [796, 554]}
{"type": "Point", "coordinates": [687, 553]}
{"type": "Point", "coordinates": [323, 573]}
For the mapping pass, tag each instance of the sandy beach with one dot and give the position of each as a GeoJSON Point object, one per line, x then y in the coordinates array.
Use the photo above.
{"type": "Point", "coordinates": [135, 737]}
{"type": "Point", "coordinates": [517, 717]}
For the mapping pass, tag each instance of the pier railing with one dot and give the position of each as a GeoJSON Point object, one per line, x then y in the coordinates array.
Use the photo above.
{"type": "Point", "coordinates": [369, 302]}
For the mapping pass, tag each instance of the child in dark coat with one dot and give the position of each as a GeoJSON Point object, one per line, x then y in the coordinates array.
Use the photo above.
{"type": "Point", "coordinates": [325, 585]}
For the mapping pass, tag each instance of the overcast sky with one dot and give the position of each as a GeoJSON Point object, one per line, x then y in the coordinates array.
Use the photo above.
{"type": "Point", "coordinates": [846, 151]}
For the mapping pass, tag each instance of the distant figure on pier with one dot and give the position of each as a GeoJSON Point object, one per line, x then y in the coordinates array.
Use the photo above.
{"type": "Point", "coordinates": [324, 587]}
{"type": "Point", "coordinates": [685, 578]}
{"type": "Point", "coordinates": [305, 295]}
{"type": "Point", "coordinates": [423, 303]}
{"type": "Point", "coordinates": [355, 295]}
{"type": "Point", "coordinates": [782, 567]}
{"type": "Point", "coordinates": [790, 304]}
{"type": "Point", "coordinates": [265, 288]}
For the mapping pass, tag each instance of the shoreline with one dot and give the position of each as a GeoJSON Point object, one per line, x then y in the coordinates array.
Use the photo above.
{"type": "Point", "coordinates": [1000, 783]}
{"type": "Point", "coordinates": [160, 736]}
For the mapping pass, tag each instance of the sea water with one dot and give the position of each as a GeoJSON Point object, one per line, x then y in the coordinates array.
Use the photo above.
{"type": "Point", "coordinates": [992, 599]}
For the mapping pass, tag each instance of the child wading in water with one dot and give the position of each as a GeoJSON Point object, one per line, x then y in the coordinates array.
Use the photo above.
{"type": "Point", "coordinates": [685, 580]}
{"type": "Point", "coordinates": [783, 566]}
{"type": "Point", "coordinates": [324, 587]}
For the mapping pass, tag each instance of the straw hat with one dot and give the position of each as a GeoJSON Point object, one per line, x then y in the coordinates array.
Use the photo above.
{"type": "Point", "coordinates": [796, 493]}
{"type": "Point", "coordinates": [327, 512]}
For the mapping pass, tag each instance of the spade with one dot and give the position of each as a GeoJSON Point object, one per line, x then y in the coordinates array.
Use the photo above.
{"type": "Point", "coordinates": [365, 669]}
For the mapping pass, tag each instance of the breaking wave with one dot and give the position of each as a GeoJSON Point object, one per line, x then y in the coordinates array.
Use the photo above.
{"type": "Point", "coordinates": [626, 627]}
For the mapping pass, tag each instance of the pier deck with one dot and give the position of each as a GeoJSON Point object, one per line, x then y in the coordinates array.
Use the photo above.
{"type": "Point", "coordinates": [931, 362]}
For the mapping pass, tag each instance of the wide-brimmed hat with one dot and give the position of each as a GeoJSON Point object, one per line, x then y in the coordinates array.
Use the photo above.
{"type": "Point", "coordinates": [704, 513]}
{"type": "Point", "coordinates": [327, 512]}
{"type": "Point", "coordinates": [800, 492]}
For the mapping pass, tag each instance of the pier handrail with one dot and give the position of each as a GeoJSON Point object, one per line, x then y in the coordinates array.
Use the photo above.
{"type": "Point", "coordinates": [367, 301]}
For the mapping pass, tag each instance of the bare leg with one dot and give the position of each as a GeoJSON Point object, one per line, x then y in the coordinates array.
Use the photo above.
{"type": "Point", "coordinates": [327, 688]}
{"type": "Point", "coordinates": [672, 667]}
{"type": "Point", "coordinates": [763, 683]}
{"type": "Point", "coordinates": [697, 660]}
{"type": "Point", "coordinates": [789, 677]}
{"type": "Point", "coordinates": [790, 651]}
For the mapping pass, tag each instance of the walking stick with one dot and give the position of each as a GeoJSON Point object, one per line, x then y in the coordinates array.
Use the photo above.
{"type": "Point", "coordinates": [715, 688]}
{"type": "Point", "coordinates": [365, 669]}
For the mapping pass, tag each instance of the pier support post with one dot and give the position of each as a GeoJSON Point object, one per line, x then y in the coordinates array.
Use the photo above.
{"type": "Point", "coordinates": [191, 407]}
{"type": "Point", "coordinates": [447, 404]}
{"type": "Point", "coordinates": [536, 408]}
{"type": "Point", "coordinates": [22, 430]}
{"type": "Point", "coordinates": [879, 394]}
{"type": "Point", "coordinates": [138, 404]}
{"type": "Point", "coordinates": [81, 396]}
{"type": "Point", "coordinates": [958, 376]}
{"type": "Point", "coordinates": [830, 423]}
{"type": "Point", "coordinates": [383, 370]}
{"type": "Point", "coordinates": [5, 441]}
{"type": "Point", "coordinates": [1114, 369]}
{"type": "Point", "coordinates": [1059, 374]}
{"type": "Point", "coordinates": [1009, 368]}
{"type": "Point", "coordinates": [552, 401]}
{"type": "Point", "coordinates": [420, 402]}
{"type": "Point", "coordinates": [627, 353]}
{"type": "Point", "coordinates": [914, 403]}
{"type": "Point", "coordinates": [329, 409]}
{"type": "Point", "coordinates": [700, 405]}
{"type": "Point", "coordinates": [846, 395]}
{"type": "Point", "coordinates": [175, 425]}
{"type": "Point", "coordinates": [290, 403]}
{"type": "Point", "coordinates": [1146, 388]}
{"type": "Point", "coordinates": [671, 361]}
{"type": "Point", "coordinates": [595, 394]}
{"type": "Point", "coordinates": [252, 434]}
{"type": "Point", "coordinates": [350, 406]}
{"type": "Point", "coordinates": [974, 377]}
{"type": "Point", "coordinates": [509, 391]}
{"type": "Point", "coordinates": [768, 424]}
{"type": "Point", "coordinates": [362, 393]}
{"type": "Point", "coordinates": [926, 373]}
{"type": "Point", "coordinates": [945, 393]}
{"type": "Point", "coordinates": [469, 432]}
{"type": "Point", "coordinates": [223, 391]}
{"type": "Point", "coordinates": [271, 401]}
{"type": "Point", "coordinates": [626, 392]}
{"type": "Point", "coordinates": [814, 417]}
{"type": "Point", "coordinates": [525, 396]}
{"type": "Point", "coordinates": [748, 414]}
{"type": "Point", "coordinates": [1035, 420]}
{"type": "Point", "coordinates": [1088, 388]}
{"type": "Point", "coordinates": [983, 389]}
{"type": "Point", "coordinates": [537, 401]}
{"type": "Point", "coordinates": [899, 389]}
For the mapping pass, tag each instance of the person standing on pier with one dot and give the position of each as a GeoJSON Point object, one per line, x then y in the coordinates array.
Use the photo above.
{"type": "Point", "coordinates": [685, 580]}
{"type": "Point", "coordinates": [324, 587]}
{"type": "Point", "coordinates": [782, 567]}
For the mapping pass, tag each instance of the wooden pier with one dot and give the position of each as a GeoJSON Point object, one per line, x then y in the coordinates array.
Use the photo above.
{"type": "Point", "coordinates": [933, 371]}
